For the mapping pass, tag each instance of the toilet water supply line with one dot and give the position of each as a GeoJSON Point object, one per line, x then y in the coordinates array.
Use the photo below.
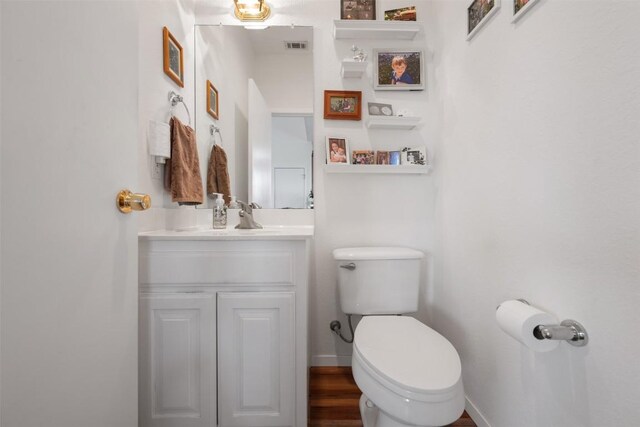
{"type": "Point", "coordinates": [336, 326]}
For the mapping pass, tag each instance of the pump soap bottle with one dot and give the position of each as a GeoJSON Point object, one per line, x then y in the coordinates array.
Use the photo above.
{"type": "Point", "coordinates": [219, 212]}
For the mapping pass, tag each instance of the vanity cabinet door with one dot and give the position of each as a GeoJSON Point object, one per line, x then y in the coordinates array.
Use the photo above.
{"type": "Point", "coordinates": [177, 360]}
{"type": "Point", "coordinates": [256, 359]}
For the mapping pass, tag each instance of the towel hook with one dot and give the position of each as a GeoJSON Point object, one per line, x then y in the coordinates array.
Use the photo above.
{"type": "Point", "coordinates": [174, 99]}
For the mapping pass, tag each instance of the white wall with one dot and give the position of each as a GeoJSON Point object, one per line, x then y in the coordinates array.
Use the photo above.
{"type": "Point", "coordinates": [355, 209]}
{"type": "Point", "coordinates": [286, 81]}
{"type": "Point", "coordinates": [539, 177]}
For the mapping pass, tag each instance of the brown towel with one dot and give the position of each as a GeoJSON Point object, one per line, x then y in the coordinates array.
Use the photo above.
{"type": "Point", "coordinates": [218, 174]}
{"type": "Point", "coordinates": [182, 172]}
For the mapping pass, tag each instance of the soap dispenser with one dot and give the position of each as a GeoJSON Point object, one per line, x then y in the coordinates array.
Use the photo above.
{"type": "Point", "coordinates": [219, 212]}
{"type": "Point", "coordinates": [233, 204]}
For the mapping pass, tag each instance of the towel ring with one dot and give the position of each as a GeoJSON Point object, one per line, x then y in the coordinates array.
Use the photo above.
{"type": "Point", "coordinates": [174, 99]}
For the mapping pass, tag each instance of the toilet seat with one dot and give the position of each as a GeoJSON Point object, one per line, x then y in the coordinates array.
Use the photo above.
{"type": "Point", "coordinates": [408, 357]}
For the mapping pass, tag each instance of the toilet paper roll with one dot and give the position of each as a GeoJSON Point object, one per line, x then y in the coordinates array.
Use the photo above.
{"type": "Point", "coordinates": [519, 320]}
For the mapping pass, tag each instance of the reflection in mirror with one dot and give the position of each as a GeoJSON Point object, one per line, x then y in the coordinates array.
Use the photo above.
{"type": "Point", "coordinates": [264, 80]}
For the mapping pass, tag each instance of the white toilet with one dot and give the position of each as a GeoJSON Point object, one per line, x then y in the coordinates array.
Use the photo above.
{"type": "Point", "coordinates": [409, 374]}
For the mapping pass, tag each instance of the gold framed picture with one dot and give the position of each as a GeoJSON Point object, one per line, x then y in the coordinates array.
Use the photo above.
{"type": "Point", "coordinates": [173, 59]}
{"type": "Point", "coordinates": [212, 100]}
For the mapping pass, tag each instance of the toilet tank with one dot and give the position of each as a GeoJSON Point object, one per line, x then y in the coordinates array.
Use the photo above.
{"type": "Point", "coordinates": [378, 280]}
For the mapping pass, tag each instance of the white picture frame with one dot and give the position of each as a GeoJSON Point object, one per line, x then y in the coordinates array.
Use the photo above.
{"type": "Point", "coordinates": [414, 156]}
{"type": "Point", "coordinates": [483, 21]}
{"type": "Point", "coordinates": [334, 155]}
{"type": "Point", "coordinates": [517, 14]}
{"type": "Point", "coordinates": [384, 73]}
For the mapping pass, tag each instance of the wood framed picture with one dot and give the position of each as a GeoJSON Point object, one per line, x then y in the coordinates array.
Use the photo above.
{"type": "Point", "coordinates": [478, 13]}
{"type": "Point", "coordinates": [342, 105]}
{"type": "Point", "coordinates": [398, 69]}
{"type": "Point", "coordinates": [173, 57]}
{"type": "Point", "coordinates": [337, 150]}
{"type": "Point", "coordinates": [358, 9]}
{"type": "Point", "coordinates": [520, 7]}
{"type": "Point", "coordinates": [212, 100]}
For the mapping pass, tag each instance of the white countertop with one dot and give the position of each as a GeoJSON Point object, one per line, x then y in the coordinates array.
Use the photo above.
{"type": "Point", "coordinates": [277, 232]}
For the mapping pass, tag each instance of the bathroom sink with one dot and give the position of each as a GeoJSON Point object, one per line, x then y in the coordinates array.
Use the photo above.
{"type": "Point", "coordinates": [268, 232]}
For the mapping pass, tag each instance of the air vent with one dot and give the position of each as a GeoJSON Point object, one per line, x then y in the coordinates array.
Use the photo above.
{"type": "Point", "coordinates": [295, 45]}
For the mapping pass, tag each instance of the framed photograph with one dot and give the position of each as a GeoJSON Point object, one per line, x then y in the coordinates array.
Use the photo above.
{"type": "Point", "coordinates": [402, 14]}
{"type": "Point", "coordinates": [520, 7]}
{"type": "Point", "coordinates": [342, 105]}
{"type": "Point", "coordinates": [172, 57]}
{"type": "Point", "coordinates": [394, 157]}
{"type": "Point", "coordinates": [377, 109]}
{"type": "Point", "coordinates": [363, 157]}
{"type": "Point", "coordinates": [478, 13]}
{"type": "Point", "coordinates": [382, 157]}
{"type": "Point", "coordinates": [398, 69]}
{"type": "Point", "coordinates": [212, 100]}
{"type": "Point", "coordinates": [337, 151]}
{"type": "Point", "coordinates": [358, 9]}
{"type": "Point", "coordinates": [414, 156]}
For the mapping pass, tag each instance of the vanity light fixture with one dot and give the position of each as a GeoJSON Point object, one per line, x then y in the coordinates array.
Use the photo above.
{"type": "Point", "coordinates": [252, 10]}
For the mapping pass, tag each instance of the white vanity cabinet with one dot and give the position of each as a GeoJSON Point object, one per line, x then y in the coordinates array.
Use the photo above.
{"type": "Point", "coordinates": [223, 331]}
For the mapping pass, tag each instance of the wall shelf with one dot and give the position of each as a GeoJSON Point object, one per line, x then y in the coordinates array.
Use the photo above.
{"type": "Point", "coordinates": [378, 169]}
{"type": "Point", "coordinates": [352, 69]}
{"type": "Point", "coordinates": [392, 122]}
{"type": "Point", "coordinates": [387, 30]}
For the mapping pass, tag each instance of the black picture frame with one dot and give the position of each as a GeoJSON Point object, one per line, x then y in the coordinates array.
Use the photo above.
{"type": "Point", "coordinates": [358, 10]}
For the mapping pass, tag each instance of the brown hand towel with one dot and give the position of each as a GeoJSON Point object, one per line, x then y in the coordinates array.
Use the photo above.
{"type": "Point", "coordinates": [218, 174]}
{"type": "Point", "coordinates": [182, 171]}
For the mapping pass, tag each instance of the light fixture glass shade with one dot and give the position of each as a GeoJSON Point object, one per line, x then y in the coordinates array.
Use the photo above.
{"type": "Point", "coordinates": [250, 11]}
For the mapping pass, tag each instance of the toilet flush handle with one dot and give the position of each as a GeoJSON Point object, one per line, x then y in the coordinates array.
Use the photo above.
{"type": "Point", "coordinates": [351, 266]}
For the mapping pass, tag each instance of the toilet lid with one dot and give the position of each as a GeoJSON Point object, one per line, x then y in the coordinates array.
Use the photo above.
{"type": "Point", "coordinates": [408, 353]}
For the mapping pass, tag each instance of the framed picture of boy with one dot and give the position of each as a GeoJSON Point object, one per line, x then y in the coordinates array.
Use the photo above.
{"type": "Point", "coordinates": [337, 151]}
{"type": "Point", "coordinates": [398, 69]}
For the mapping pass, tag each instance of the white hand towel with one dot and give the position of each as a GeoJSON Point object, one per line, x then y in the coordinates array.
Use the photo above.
{"type": "Point", "coordinates": [159, 140]}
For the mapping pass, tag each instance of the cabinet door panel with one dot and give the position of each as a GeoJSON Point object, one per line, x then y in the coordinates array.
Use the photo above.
{"type": "Point", "coordinates": [177, 361]}
{"type": "Point", "coordinates": [256, 359]}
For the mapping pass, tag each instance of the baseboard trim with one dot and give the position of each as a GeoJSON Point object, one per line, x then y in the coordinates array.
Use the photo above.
{"type": "Point", "coordinates": [330, 360]}
{"type": "Point", "coordinates": [475, 414]}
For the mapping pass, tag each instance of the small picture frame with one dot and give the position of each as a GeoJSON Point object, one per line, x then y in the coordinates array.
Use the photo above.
{"type": "Point", "coordinates": [358, 9]}
{"type": "Point", "coordinates": [342, 105]}
{"type": "Point", "coordinates": [212, 101]}
{"type": "Point", "coordinates": [173, 59]}
{"type": "Point", "coordinates": [337, 151]}
{"type": "Point", "coordinates": [363, 157]}
{"type": "Point", "coordinates": [414, 156]}
{"type": "Point", "coordinates": [398, 69]}
{"type": "Point", "coordinates": [378, 109]}
{"type": "Point", "coordinates": [382, 157]}
{"type": "Point", "coordinates": [478, 14]}
{"type": "Point", "coordinates": [394, 158]}
{"type": "Point", "coordinates": [520, 7]}
{"type": "Point", "coordinates": [402, 14]}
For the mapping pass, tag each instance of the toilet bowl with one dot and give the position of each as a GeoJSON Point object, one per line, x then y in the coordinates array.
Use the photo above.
{"type": "Point", "coordinates": [408, 373]}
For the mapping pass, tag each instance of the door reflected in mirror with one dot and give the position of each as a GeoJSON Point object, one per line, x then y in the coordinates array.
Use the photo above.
{"type": "Point", "coordinates": [264, 82]}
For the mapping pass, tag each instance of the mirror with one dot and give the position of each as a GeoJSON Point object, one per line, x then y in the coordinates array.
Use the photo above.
{"type": "Point", "coordinates": [259, 84]}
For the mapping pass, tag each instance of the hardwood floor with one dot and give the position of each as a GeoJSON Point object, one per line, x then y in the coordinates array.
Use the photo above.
{"type": "Point", "coordinates": [334, 397]}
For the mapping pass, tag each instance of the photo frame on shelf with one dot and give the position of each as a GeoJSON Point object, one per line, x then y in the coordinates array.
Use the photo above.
{"type": "Point", "coordinates": [394, 157]}
{"type": "Point", "coordinates": [378, 109]}
{"type": "Point", "coordinates": [358, 9]}
{"type": "Point", "coordinates": [478, 14]}
{"type": "Point", "coordinates": [173, 59]}
{"type": "Point", "coordinates": [382, 157]}
{"type": "Point", "coordinates": [414, 156]}
{"type": "Point", "coordinates": [213, 102]}
{"type": "Point", "coordinates": [402, 14]}
{"type": "Point", "coordinates": [342, 105]}
{"type": "Point", "coordinates": [337, 151]}
{"type": "Point", "coordinates": [397, 69]}
{"type": "Point", "coordinates": [363, 157]}
{"type": "Point", "coordinates": [520, 7]}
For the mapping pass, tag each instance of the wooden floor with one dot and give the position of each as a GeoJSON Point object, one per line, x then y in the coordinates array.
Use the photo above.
{"type": "Point", "coordinates": [334, 398]}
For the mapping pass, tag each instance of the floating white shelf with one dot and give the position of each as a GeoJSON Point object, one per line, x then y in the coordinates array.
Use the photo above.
{"type": "Point", "coordinates": [378, 169]}
{"type": "Point", "coordinates": [392, 122]}
{"type": "Point", "coordinates": [352, 69]}
{"type": "Point", "coordinates": [388, 30]}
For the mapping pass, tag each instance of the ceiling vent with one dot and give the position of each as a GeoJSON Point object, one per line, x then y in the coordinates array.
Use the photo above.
{"type": "Point", "coordinates": [295, 45]}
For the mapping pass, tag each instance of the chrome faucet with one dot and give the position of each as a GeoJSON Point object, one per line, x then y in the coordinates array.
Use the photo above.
{"type": "Point", "coordinates": [246, 217]}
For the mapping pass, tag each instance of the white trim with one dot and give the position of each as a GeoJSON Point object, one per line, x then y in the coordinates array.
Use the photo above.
{"type": "Point", "coordinates": [330, 360]}
{"type": "Point", "coordinates": [292, 112]}
{"type": "Point", "coordinates": [475, 414]}
{"type": "Point", "coordinates": [525, 8]}
{"type": "Point", "coordinates": [482, 23]}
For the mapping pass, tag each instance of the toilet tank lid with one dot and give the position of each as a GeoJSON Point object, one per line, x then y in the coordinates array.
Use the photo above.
{"type": "Point", "coordinates": [373, 253]}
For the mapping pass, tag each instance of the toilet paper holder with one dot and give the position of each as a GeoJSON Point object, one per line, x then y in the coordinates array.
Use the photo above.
{"type": "Point", "coordinates": [568, 330]}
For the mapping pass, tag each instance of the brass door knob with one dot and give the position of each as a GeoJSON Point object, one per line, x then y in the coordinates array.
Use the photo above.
{"type": "Point", "coordinates": [126, 201]}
